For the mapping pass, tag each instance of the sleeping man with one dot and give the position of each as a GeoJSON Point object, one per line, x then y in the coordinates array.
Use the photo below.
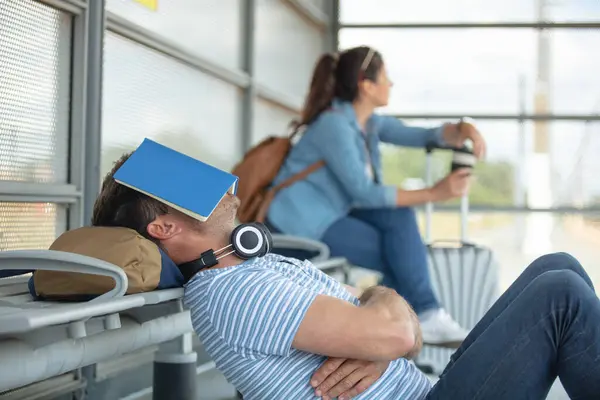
{"type": "Point", "coordinates": [281, 329]}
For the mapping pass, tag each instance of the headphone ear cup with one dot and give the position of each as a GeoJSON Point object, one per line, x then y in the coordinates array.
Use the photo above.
{"type": "Point", "coordinates": [249, 241]}
{"type": "Point", "coordinates": [268, 237]}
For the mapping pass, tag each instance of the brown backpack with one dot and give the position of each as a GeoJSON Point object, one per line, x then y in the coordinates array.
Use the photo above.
{"type": "Point", "coordinates": [256, 172]}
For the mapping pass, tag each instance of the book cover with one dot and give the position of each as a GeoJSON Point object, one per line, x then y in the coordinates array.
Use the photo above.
{"type": "Point", "coordinates": [178, 180]}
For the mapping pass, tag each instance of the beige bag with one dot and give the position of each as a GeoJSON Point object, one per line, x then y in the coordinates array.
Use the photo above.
{"type": "Point", "coordinates": [123, 247]}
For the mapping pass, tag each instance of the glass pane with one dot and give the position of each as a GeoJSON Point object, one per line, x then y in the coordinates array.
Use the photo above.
{"type": "Point", "coordinates": [270, 120]}
{"type": "Point", "coordinates": [495, 177]}
{"type": "Point", "coordinates": [454, 71]}
{"type": "Point", "coordinates": [574, 70]}
{"type": "Point", "coordinates": [427, 11]}
{"type": "Point", "coordinates": [28, 226]}
{"type": "Point", "coordinates": [35, 43]}
{"type": "Point", "coordinates": [191, 24]}
{"type": "Point", "coordinates": [287, 48]}
{"type": "Point", "coordinates": [574, 163]}
{"type": "Point", "coordinates": [574, 10]}
{"type": "Point", "coordinates": [147, 94]}
{"type": "Point", "coordinates": [517, 239]}
{"type": "Point", "coordinates": [507, 176]}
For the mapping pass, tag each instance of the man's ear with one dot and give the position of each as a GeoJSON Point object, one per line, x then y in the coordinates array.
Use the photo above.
{"type": "Point", "coordinates": [163, 228]}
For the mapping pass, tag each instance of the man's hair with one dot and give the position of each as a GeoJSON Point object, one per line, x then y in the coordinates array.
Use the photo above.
{"type": "Point", "coordinates": [118, 205]}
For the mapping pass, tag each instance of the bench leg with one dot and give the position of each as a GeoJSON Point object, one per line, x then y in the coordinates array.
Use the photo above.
{"type": "Point", "coordinates": [175, 371]}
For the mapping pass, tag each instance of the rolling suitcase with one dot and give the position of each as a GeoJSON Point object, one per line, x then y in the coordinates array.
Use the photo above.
{"type": "Point", "coordinates": [464, 277]}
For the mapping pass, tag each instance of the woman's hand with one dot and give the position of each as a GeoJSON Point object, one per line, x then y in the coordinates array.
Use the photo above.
{"type": "Point", "coordinates": [455, 135]}
{"type": "Point", "coordinates": [456, 184]}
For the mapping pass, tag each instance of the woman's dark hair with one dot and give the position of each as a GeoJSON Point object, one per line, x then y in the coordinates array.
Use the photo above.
{"type": "Point", "coordinates": [337, 76]}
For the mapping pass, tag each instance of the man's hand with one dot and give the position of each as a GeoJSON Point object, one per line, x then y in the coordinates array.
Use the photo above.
{"type": "Point", "coordinates": [345, 378]}
{"type": "Point", "coordinates": [392, 302]}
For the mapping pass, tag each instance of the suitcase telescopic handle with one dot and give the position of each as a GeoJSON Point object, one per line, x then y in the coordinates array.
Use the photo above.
{"type": "Point", "coordinates": [464, 202]}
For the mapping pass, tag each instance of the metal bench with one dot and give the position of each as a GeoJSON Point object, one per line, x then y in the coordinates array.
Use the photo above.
{"type": "Point", "coordinates": [44, 339]}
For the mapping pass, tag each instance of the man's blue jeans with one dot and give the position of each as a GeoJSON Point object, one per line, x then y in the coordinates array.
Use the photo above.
{"type": "Point", "coordinates": [547, 324]}
{"type": "Point", "coordinates": [387, 241]}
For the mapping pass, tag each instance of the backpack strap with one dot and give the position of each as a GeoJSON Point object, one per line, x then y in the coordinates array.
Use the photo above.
{"type": "Point", "coordinates": [300, 175]}
{"type": "Point", "coordinates": [309, 170]}
{"type": "Point", "coordinates": [270, 195]}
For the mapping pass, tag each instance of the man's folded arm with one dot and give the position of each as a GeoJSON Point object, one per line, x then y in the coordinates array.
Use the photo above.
{"type": "Point", "coordinates": [354, 291]}
{"type": "Point", "coordinates": [384, 327]}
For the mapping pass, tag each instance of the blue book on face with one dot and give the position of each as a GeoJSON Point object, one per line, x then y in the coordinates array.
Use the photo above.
{"type": "Point", "coordinates": [173, 178]}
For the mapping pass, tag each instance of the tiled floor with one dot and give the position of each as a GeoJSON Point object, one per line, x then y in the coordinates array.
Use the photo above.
{"type": "Point", "coordinates": [213, 386]}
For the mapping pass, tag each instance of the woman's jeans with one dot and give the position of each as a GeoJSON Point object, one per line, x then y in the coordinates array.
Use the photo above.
{"type": "Point", "coordinates": [547, 324]}
{"type": "Point", "coordinates": [387, 241]}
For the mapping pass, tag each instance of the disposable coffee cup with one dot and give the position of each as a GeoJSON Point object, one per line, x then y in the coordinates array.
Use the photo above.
{"type": "Point", "coordinates": [463, 158]}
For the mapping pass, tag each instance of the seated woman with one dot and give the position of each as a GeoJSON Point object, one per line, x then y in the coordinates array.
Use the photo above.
{"type": "Point", "coordinates": [345, 204]}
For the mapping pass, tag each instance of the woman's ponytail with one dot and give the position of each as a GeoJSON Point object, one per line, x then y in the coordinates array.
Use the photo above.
{"type": "Point", "coordinates": [321, 92]}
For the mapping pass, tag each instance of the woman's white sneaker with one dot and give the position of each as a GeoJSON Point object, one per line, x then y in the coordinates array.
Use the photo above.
{"type": "Point", "coordinates": [440, 329]}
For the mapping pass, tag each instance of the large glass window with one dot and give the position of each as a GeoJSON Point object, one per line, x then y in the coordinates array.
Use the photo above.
{"type": "Point", "coordinates": [35, 70]}
{"type": "Point", "coordinates": [147, 94]}
{"type": "Point", "coordinates": [503, 71]}
{"type": "Point", "coordinates": [453, 70]}
{"type": "Point", "coordinates": [574, 163]}
{"type": "Point", "coordinates": [501, 74]}
{"type": "Point", "coordinates": [30, 225]}
{"type": "Point", "coordinates": [429, 11]}
{"type": "Point", "coordinates": [484, 71]}
{"type": "Point", "coordinates": [191, 24]}
{"type": "Point", "coordinates": [495, 182]}
{"type": "Point", "coordinates": [270, 120]}
{"type": "Point", "coordinates": [287, 48]}
{"type": "Point", "coordinates": [504, 177]}
{"type": "Point", "coordinates": [34, 92]}
{"type": "Point", "coordinates": [574, 71]}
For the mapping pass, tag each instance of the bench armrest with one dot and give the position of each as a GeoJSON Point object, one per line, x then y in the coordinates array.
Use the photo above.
{"type": "Point", "coordinates": [52, 260]}
{"type": "Point", "coordinates": [332, 263]}
{"type": "Point", "coordinates": [299, 243]}
{"type": "Point", "coordinates": [335, 264]}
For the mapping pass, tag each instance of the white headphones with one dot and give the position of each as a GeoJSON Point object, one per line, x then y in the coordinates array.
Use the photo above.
{"type": "Point", "coordinates": [246, 241]}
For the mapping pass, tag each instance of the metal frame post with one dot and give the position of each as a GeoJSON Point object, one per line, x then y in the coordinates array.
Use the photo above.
{"type": "Point", "coordinates": [174, 375]}
{"type": "Point", "coordinates": [79, 67]}
{"type": "Point", "coordinates": [484, 25]}
{"type": "Point", "coordinates": [88, 140]}
{"type": "Point", "coordinates": [334, 26]}
{"type": "Point", "coordinates": [93, 105]}
{"type": "Point", "coordinates": [503, 117]}
{"type": "Point", "coordinates": [248, 53]}
{"type": "Point", "coordinates": [428, 205]}
{"type": "Point", "coordinates": [310, 12]}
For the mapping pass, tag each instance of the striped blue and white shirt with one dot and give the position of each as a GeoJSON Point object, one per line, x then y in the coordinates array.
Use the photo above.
{"type": "Point", "coordinates": [247, 316]}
